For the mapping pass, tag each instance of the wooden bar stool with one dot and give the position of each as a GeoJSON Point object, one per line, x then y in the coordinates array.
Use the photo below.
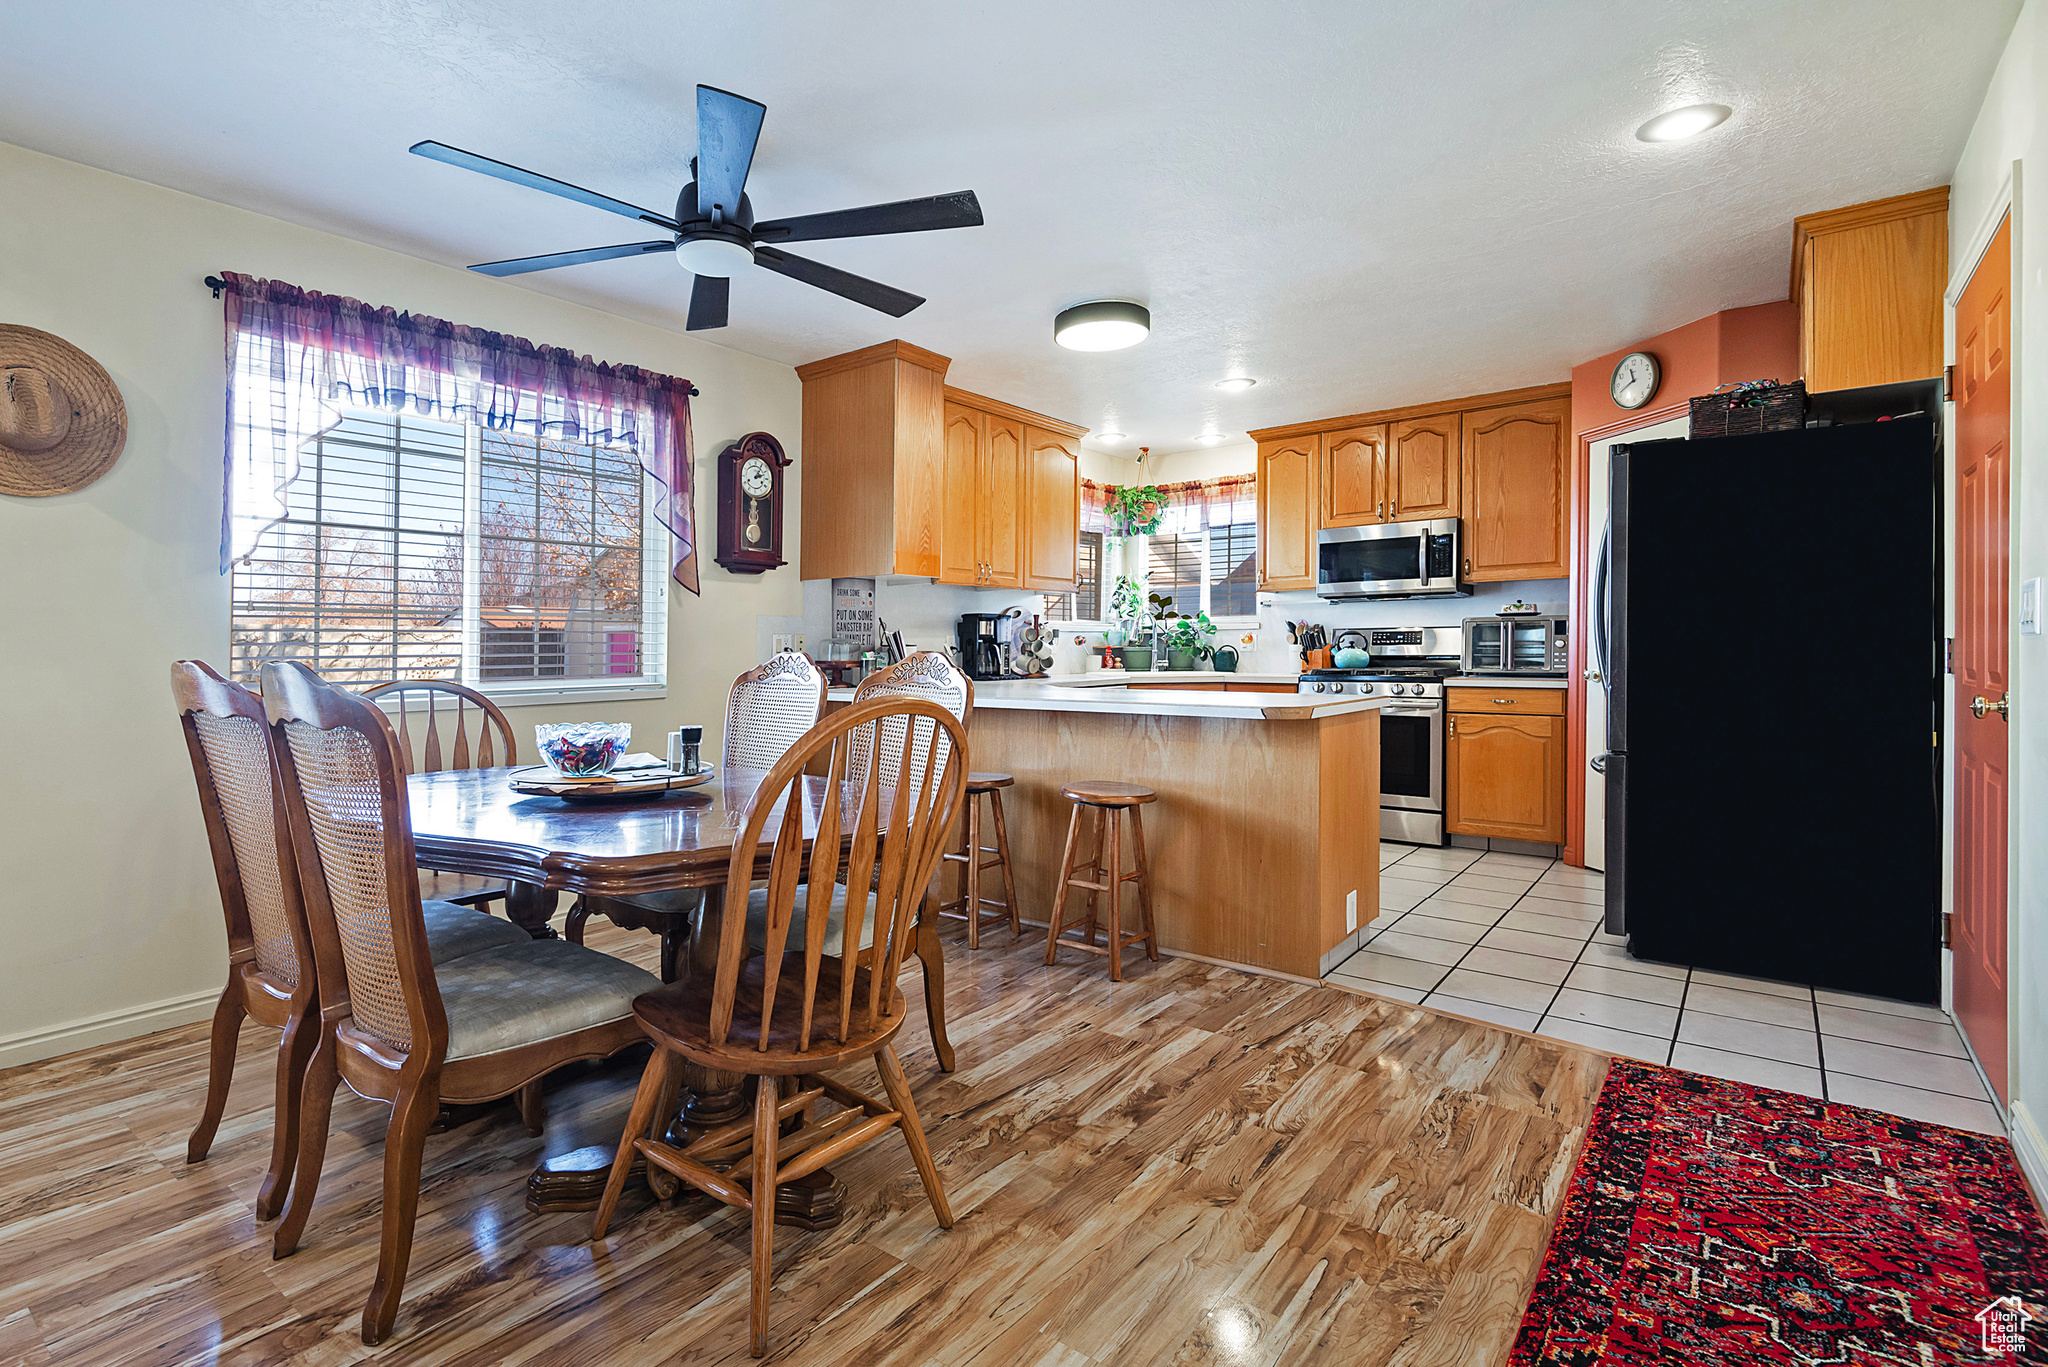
{"type": "Point", "coordinates": [968, 905]}
{"type": "Point", "coordinates": [1110, 802]}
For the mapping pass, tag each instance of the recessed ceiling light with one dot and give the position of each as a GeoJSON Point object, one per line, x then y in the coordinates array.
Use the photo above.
{"type": "Point", "coordinates": [1104, 325]}
{"type": "Point", "coordinates": [1678, 124]}
{"type": "Point", "coordinates": [1236, 382]}
{"type": "Point", "coordinates": [1111, 435]}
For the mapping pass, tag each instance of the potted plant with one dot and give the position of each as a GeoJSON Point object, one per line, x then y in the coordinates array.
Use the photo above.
{"type": "Point", "coordinates": [1127, 606]}
{"type": "Point", "coordinates": [1186, 636]}
{"type": "Point", "coordinates": [1134, 509]}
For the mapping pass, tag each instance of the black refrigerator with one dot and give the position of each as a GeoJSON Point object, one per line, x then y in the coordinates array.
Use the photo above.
{"type": "Point", "coordinates": [1773, 656]}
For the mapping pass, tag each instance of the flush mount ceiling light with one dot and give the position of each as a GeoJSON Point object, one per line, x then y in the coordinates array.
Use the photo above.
{"type": "Point", "coordinates": [1109, 435]}
{"type": "Point", "coordinates": [1103, 325]}
{"type": "Point", "coordinates": [1210, 438]}
{"type": "Point", "coordinates": [1236, 382]}
{"type": "Point", "coordinates": [1676, 125]}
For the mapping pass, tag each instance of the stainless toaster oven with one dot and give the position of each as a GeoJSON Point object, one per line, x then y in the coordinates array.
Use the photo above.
{"type": "Point", "coordinates": [1517, 645]}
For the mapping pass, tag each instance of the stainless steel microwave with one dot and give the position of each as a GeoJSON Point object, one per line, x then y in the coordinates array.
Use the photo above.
{"type": "Point", "coordinates": [1517, 645]}
{"type": "Point", "coordinates": [1391, 560]}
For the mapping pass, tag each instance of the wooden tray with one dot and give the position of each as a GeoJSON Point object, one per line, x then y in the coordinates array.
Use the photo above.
{"type": "Point", "coordinates": [540, 781]}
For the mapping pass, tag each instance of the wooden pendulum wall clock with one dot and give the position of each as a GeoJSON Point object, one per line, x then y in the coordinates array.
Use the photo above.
{"type": "Point", "coordinates": [750, 504]}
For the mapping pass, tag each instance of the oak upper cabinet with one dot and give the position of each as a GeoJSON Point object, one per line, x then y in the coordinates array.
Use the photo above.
{"type": "Point", "coordinates": [1355, 476]}
{"type": "Point", "coordinates": [1422, 468]}
{"type": "Point", "coordinates": [1868, 280]}
{"type": "Point", "coordinates": [1504, 771]}
{"type": "Point", "coordinates": [904, 475]}
{"type": "Point", "coordinates": [981, 517]}
{"type": "Point", "coordinates": [1289, 511]}
{"type": "Point", "coordinates": [1051, 510]}
{"type": "Point", "coordinates": [1517, 491]}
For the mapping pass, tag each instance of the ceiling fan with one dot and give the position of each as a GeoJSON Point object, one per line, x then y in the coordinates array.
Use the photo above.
{"type": "Point", "coordinates": [713, 226]}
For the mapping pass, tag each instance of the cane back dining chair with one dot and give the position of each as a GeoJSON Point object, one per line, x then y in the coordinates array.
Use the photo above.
{"type": "Point", "coordinates": [787, 1017]}
{"type": "Point", "coordinates": [394, 1025]}
{"type": "Point", "coordinates": [271, 975]}
{"type": "Point", "coordinates": [768, 710]}
{"type": "Point", "coordinates": [494, 745]}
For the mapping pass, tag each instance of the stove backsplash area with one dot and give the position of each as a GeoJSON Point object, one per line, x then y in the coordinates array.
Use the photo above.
{"type": "Point", "coordinates": [1276, 610]}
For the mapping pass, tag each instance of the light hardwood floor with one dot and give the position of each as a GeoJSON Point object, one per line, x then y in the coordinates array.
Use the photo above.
{"type": "Point", "coordinates": [1195, 1166]}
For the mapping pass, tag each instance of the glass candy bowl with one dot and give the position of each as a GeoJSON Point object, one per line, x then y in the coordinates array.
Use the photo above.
{"type": "Point", "coordinates": [582, 749]}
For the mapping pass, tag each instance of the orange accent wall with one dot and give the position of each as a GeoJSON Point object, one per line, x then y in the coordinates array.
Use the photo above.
{"type": "Point", "coordinates": [1756, 343]}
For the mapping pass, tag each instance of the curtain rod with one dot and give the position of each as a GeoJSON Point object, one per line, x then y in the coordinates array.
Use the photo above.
{"type": "Point", "coordinates": [216, 284]}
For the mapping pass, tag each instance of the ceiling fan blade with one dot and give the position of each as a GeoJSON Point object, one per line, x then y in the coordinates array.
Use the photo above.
{"type": "Point", "coordinates": [957, 210]}
{"type": "Point", "coordinates": [707, 303]}
{"type": "Point", "coordinates": [470, 161]}
{"type": "Point", "coordinates": [887, 298]}
{"type": "Point", "coordinates": [728, 126]}
{"type": "Point", "coordinates": [521, 265]}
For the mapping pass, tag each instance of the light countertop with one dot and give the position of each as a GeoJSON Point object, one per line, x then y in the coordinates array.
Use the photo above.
{"type": "Point", "coordinates": [1106, 692]}
{"type": "Point", "coordinates": [1504, 681]}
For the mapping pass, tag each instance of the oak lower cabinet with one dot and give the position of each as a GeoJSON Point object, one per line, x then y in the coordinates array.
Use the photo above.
{"type": "Point", "coordinates": [905, 475]}
{"type": "Point", "coordinates": [1289, 510]}
{"type": "Point", "coordinates": [1517, 491]}
{"type": "Point", "coordinates": [1504, 773]}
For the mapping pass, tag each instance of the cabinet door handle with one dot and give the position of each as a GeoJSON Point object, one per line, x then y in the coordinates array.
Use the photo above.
{"type": "Point", "coordinates": [1451, 725]}
{"type": "Point", "coordinates": [1468, 567]}
{"type": "Point", "coordinates": [1379, 509]}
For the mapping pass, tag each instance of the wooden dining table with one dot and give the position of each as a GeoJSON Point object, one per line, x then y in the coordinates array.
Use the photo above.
{"type": "Point", "coordinates": [472, 821]}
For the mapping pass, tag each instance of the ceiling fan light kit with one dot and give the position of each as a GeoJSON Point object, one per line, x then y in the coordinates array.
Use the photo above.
{"type": "Point", "coordinates": [1102, 325]}
{"type": "Point", "coordinates": [713, 233]}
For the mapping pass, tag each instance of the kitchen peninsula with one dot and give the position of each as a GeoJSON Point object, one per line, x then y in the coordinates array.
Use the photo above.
{"type": "Point", "coordinates": [1264, 843]}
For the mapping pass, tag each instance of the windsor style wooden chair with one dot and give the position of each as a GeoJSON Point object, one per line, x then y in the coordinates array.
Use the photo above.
{"type": "Point", "coordinates": [495, 745]}
{"type": "Point", "coordinates": [768, 710]}
{"type": "Point", "coordinates": [396, 1025]}
{"type": "Point", "coordinates": [787, 1017]}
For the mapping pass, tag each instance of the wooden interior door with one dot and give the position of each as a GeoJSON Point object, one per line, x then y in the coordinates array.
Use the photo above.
{"type": "Point", "coordinates": [1983, 552]}
{"type": "Point", "coordinates": [1002, 503]}
{"type": "Point", "coordinates": [1422, 468]}
{"type": "Point", "coordinates": [960, 497]}
{"type": "Point", "coordinates": [1288, 508]}
{"type": "Point", "coordinates": [1052, 511]}
{"type": "Point", "coordinates": [1354, 477]}
{"type": "Point", "coordinates": [1517, 491]}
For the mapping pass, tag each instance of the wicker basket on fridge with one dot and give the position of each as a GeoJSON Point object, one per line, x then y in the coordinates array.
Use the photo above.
{"type": "Point", "coordinates": [1757, 406]}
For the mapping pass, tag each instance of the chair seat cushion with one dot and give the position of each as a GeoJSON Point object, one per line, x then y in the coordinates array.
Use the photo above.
{"type": "Point", "coordinates": [502, 998]}
{"type": "Point", "coordinates": [454, 931]}
{"type": "Point", "coordinates": [680, 1014]}
{"type": "Point", "coordinates": [835, 920]}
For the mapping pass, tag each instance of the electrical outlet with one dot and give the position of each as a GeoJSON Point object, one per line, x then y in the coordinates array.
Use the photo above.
{"type": "Point", "coordinates": [781, 643]}
{"type": "Point", "coordinates": [800, 645]}
{"type": "Point", "coordinates": [1351, 911]}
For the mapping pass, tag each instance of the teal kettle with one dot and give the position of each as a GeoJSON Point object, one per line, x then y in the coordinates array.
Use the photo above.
{"type": "Point", "coordinates": [1226, 659]}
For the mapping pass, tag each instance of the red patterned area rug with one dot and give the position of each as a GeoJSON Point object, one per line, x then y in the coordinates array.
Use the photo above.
{"type": "Point", "coordinates": [1713, 1224]}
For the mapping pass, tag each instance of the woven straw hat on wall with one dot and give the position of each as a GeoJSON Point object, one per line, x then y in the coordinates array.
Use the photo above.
{"type": "Point", "coordinates": [62, 423]}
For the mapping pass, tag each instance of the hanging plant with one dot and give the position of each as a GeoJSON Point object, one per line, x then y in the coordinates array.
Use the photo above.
{"type": "Point", "coordinates": [1134, 509]}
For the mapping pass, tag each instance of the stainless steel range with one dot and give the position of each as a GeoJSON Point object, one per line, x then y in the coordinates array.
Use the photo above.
{"type": "Point", "coordinates": [1408, 664]}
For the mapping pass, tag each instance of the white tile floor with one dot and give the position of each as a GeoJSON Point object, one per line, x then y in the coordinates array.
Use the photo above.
{"type": "Point", "coordinates": [1517, 940]}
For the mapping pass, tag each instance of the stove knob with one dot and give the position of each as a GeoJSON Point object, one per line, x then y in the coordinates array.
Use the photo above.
{"type": "Point", "coordinates": [1321, 687]}
{"type": "Point", "coordinates": [1366, 687]}
{"type": "Point", "coordinates": [1397, 689]}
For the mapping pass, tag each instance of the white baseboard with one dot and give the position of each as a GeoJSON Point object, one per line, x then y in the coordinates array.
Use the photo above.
{"type": "Point", "coordinates": [2032, 1148]}
{"type": "Point", "coordinates": [30, 1045]}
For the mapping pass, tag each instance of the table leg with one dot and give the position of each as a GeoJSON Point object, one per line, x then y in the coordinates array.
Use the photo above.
{"type": "Point", "coordinates": [531, 907]}
{"type": "Point", "coordinates": [574, 1181]}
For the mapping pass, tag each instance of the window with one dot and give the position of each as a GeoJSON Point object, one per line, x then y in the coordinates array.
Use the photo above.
{"type": "Point", "coordinates": [432, 550]}
{"type": "Point", "coordinates": [1084, 604]}
{"type": "Point", "coordinates": [1234, 570]}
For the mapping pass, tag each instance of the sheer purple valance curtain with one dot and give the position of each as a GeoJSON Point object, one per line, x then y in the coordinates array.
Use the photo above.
{"type": "Point", "coordinates": [296, 358]}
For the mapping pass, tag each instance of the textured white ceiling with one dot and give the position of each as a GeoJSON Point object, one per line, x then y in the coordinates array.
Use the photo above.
{"type": "Point", "coordinates": [1361, 204]}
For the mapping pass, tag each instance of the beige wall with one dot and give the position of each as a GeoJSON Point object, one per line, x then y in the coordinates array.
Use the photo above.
{"type": "Point", "coordinates": [112, 924]}
{"type": "Point", "coordinates": [2007, 154]}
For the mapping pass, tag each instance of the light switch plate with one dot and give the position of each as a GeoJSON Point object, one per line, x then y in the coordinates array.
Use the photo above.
{"type": "Point", "coordinates": [2030, 607]}
{"type": "Point", "coordinates": [1351, 910]}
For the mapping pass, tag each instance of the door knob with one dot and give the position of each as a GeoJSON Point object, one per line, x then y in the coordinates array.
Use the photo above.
{"type": "Point", "coordinates": [1599, 764]}
{"type": "Point", "coordinates": [1592, 676]}
{"type": "Point", "coordinates": [1979, 706]}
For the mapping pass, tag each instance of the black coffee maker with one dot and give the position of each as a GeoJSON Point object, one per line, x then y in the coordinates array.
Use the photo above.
{"type": "Point", "coordinates": [981, 645]}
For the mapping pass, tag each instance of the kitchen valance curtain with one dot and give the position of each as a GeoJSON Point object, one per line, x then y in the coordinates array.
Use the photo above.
{"type": "Point", "coordinates": [296, 358]}
{"type": "Point", "coordinates": [1191, 505]}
